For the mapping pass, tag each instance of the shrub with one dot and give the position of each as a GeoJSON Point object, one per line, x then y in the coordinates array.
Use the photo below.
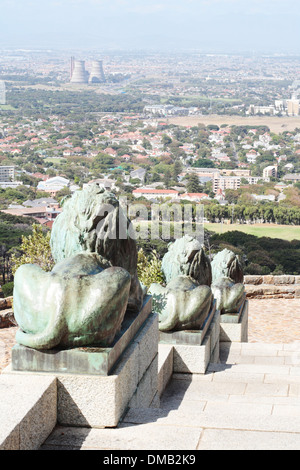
{"type": "Point", "coordinates": [149, 269]}
{"type": "Point", "coordinates": [7, 289]}
{"type": "Point", "coordinates": [35, 249]}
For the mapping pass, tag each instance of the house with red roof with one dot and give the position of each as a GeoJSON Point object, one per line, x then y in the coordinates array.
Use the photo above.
{"type": "Point", "coordinates": [150, 193]}
{"type": "Point", "coordinates": [194, 197]}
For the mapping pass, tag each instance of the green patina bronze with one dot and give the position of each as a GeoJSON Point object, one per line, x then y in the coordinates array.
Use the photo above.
{"type": "Point", "coordinates": [182, 305]}
{"type": "Point", "coordinates": [186, 300]}
{"type": "Point", "coordinates": [227, 281]}
{"type": "Point", "coordinates": [78, 303]}
{"type": "Point", "coordinates": [186, 257]}
{"type": "Point", "coordinates": [93, 222]}
{"type": "Point", "coordinates": [83, 300]}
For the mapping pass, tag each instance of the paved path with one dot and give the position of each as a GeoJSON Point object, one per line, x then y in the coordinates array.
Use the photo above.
{"type": "Point", "coordinates": [274, 320]}
{"type": "Point", "coordinates": [7, 341]}
{"type": "Point", "coordinates": [251, 400]}
{"type": "Point", "coordinates": [248, 402]}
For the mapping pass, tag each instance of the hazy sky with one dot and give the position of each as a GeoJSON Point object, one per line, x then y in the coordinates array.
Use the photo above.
{"type": "Point", "coordinates": [207, 25]}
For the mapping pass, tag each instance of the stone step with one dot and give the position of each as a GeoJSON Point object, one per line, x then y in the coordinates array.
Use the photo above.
{"type": "Point", "coordinates": [259, 353]}
{"type": "Point", "coordinates": [27, 411]}
{"type": "Point", "coordinates": [252, 405]}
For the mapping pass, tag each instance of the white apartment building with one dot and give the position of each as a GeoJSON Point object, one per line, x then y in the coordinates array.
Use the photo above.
{"type": "Point", "coordinates": [262, 110]}
{"type": "Point", "coordinates": [293, 107]}
{"type": "Point", "coordinates": [7, 173]}
{"type": "Point", "coordinates": [226, 182]}
{"type": "Point", "coordinates": [252, 156]}
{"type": "Point", "coordinates": [154, 194]}
{"type": "Point", "coordinates": [269, 171]}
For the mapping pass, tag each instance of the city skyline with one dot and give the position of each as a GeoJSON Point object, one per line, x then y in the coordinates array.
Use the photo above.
{"type": "Point", "coordinates": [270, 26]}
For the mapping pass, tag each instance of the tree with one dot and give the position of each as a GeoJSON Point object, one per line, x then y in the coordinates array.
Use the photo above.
{"type": "Point", "coordinates": [204, 163]}
{"type": "Point", "coordinates": [193, 185]}
{"type": "Point", "coordinates": [166, 140]}
{"type": "Point", "coordinates": [167, 178]}
{"type": "Point", "coordinates": [63, 193]}
{"type": "Point", "coordinates": [146, 144]}
{"type": "Point", "coordinates": [35, 249]}
{"type": "Point", "coordinates": [177, 168]}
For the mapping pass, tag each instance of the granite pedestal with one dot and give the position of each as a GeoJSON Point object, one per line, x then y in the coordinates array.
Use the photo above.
{"type": "Point", "coordinates": [193, 350]}
{"type": "Point", "coordinates": [234, 326]}
{"type": "Point", "coordinates": [115, 378]}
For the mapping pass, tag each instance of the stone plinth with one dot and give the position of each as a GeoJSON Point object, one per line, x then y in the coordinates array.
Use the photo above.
{"type": "Point", "coordinates": [192, 350]}
{"type": "Point", "coordinates": [83, 360]}
{"type": "Point", "coordinates": [98, 400]}
{"type": "Point", "coordinates": [28, 408]}
{"type": "Point", "coordinates": [234, 326]}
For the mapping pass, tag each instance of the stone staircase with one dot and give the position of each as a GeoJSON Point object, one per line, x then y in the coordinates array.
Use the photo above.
{"type": "Point", "coordinates": [248, 400]}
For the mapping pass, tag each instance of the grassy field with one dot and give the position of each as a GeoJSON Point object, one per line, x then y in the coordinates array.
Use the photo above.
{"type": "Point", "coordinates": [6, 107]}
{"type": "Point", "coordinates": [276, 124]}
{"type": "Point", "coordinates": [285, 232]}
{"type": "Point", "coordinates": [55, 160]}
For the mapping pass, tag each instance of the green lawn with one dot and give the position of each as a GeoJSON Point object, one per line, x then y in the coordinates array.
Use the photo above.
{"type": "Point", "coordinates": [55, 159]}
{"type": "Point", "coordinates": [6, 107]}
{"type": "Point", "coordinates": [285, 232]}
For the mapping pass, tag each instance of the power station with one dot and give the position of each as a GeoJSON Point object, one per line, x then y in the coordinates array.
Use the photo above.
{"type": "Point", "coordinates": [78, 73]}
{"type": "Point", "coordinates": [2, 92]}
{"type": "Point", "coordinates": [97, 73]}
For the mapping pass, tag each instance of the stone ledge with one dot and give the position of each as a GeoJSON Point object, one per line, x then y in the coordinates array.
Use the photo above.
{"type": "Point", "coordinates": [281, 280]}
{"type": "Point", "coordinates": [6, 303]}
{"type": "Point", "coordinates": [265, 291]}
{"type": "Point", "coordinates": [7, 318]}
{"type": "Point", "coordinates": [28, 411]}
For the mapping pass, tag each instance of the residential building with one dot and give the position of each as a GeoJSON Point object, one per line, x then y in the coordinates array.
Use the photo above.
{"type": "Point", "coordinates": [241, 173]}
{"type": "Point", "coordinates": [252, 156]}
{"type": "Point", "coordinates": [7, 173]}
{"type": "Point", "coordinates": [264, 197]}
{"type": "Point", "coordinates": [10, 184]}
{"type": "Point", "coordinates": [270, 171]}
{"type": "Point", "coordinates": [139, 173]}
{"type": "Point", "coordinates": [53, 185]}
{"type": "Point", "coordinates": [47, 212]}
{"type": "Point", "coordinates": [293, 107]}
{"type": "Point", "coordinates": [253, 179]}
{"type": "Point", "coordinates": [209, 173]}
{"type": "Point", "coordinates": [104, 183]}
{"type": "Point", "coordinates": [262, 110]}
{"type": "Point", "coordinates": [194, 197]}
{"type": "Point", "coordinates": [226, 182]}
{"type": "Point", "coordinates": [294, 177]}
{"type": "Point", "coordinates": [154, 194]}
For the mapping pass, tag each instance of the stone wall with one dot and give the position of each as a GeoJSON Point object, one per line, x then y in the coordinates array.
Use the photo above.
{"type": "Point", "coordinates": [6, 313]}
{"type": "Point", "coordinates": [276, 287]}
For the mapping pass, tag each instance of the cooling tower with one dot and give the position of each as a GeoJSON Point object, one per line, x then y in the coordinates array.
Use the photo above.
{"type": "Point", "coordinates": [2, 92]}
{"type": "Point", "coordinates": [79, 73]}
{"type": "Point", "coordinates": [97, 74]}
